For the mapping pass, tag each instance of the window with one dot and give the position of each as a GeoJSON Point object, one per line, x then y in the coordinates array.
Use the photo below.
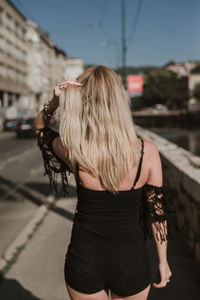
{"type": "Point", "coordinates": [2, 70]}
{"type": "Point", "coordinates": [19, 31]}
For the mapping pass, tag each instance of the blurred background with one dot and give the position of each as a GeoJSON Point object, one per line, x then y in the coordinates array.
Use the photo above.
{"type": "Point", "coordinates": [154, 47]}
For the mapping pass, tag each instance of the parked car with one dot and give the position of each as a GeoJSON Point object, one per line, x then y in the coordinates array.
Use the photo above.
{"type": "Point", "coordinates": [9, 124]}
{"type": "Point", "coordinates": [10, 115]}
{"type": "Point", "coordinates": [159, 106]}
{"type": "Point", "coordinates": [24, 128]}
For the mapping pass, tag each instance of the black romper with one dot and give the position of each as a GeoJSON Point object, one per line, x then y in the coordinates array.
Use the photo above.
{"type": "Point", "coordinates": [107, 245]}
{"type": "Point", "coordinates": [107, 248]}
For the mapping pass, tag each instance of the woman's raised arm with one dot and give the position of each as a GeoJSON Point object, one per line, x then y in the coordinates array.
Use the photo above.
{"type": "Point", "coordinates": [44, 115]}
{"type": "Point", "coordinates": [53, 152]}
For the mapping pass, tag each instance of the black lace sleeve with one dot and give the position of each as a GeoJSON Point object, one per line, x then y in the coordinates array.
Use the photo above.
{"type": "Point", "coordinates": [157, 209]}
{"type": "Point", "coordinates": [53, 165]}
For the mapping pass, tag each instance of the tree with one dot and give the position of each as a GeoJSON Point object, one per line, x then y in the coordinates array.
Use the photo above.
{"type": "Point", "coordinates": [165, 87]}
{"type": "Point", "coordinates": [196, 91]}
{"type": "Point", "coordinates": [169, 63]}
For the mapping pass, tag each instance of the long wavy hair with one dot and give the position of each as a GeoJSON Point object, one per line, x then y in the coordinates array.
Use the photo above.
{"type": "Point", "coordinates": [96, 125]}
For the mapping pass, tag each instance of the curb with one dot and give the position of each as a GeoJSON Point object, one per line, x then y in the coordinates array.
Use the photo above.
{"type": "Point", "coordinates": [12, 252]}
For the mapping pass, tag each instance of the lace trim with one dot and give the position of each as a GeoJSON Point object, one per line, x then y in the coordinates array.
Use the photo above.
{"type": "Point", "coordinates": [156, 209]}
{"type": "Point", "coordinates": [52, 163]}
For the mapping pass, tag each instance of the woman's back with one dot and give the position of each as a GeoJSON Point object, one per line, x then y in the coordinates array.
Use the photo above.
{"type": "Point", "coordinates": [94, 183]}
{"type": "Point", "coordinates": [97, 209]}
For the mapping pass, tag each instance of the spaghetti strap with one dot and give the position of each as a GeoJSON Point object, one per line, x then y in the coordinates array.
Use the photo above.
{"type": "Point", "coordinates": [140, 164]}
{"type": "Point", "coordinates": [137, 175]}
{"type": "Point", "coordinates": [77, 174]}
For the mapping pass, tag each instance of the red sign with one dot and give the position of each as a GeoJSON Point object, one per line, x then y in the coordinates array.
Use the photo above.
{"type": "Point", "coordinates": [135, 84]}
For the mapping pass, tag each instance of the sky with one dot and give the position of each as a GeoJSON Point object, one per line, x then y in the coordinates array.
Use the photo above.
{"type": "Point", "coordinates": [163, 30]}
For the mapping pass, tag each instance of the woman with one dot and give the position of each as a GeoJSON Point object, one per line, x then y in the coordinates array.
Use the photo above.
{"type": "Point", "coordinates": [115, 213]}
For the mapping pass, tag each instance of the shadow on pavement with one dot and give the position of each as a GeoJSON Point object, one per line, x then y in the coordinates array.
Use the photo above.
{"type": "Point", "coordinates": [11, 289]}
{"type": "Point", "coordinates": [62, 212]}
{"type": "Point", "coordinates": [43, 188]}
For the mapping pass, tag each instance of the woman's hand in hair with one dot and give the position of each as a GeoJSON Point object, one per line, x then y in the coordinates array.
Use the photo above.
{"type": "Point", "coordinates": [58, 88]}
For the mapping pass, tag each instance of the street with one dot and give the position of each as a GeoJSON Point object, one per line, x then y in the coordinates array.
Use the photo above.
{"type": "Point", "coordinates": [23, 187]}
{"type": "Point", "coordinates": [23, 190]}
{"type": "Point", "coordinates": [38, 272]}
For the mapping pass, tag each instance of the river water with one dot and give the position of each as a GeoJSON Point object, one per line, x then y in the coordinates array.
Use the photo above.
{"type": "Point", "coordinates": [189, 139]}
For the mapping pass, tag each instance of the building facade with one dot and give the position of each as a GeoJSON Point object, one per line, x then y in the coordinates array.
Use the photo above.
{"type": "Point", "coordinates": [41, 61]}
{"type": "Point", "coordinates": [30, 63]}
{"type": "Point", "coordinates": [74, 67]}
{"type": "Point", "coordinates": [194, 77]}
{"type": "Point", "coordinates": [13, 53]}
{"type": "Point", "coordinates": [181, 69]}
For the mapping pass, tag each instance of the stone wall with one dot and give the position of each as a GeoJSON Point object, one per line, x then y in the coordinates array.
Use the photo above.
{"type": "Point", "coordinates": [181, 175]}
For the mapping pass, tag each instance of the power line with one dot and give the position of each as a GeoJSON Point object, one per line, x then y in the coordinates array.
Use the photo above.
{"type": "Point", "coordinates": [26, 11]}
{"type": "Point", "coordinates": [73, 28]}
{"type": "Point", "coordinates": [110, 40]}
{"type": "Point", "coordinates": [135, 23]}
{"type": "Point", "coordinates": [100, 23]}
{"type": "Point", "coordinates": [29, 15]}
{"type": "Point", "coordinates": [90, 25]}
{"type": "Point", "coordinates": [105, 6]}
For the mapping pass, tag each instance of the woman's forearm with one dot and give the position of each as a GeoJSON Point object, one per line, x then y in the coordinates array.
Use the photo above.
{"type": "Point", "coordinates": [42, 119]}
{"type": "Point", "coordinates": [53, 105]}
{"type": "Point", "coordinates": [161, 248]}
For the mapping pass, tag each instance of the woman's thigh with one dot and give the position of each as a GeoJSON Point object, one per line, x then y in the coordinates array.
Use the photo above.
{"type": "Point", "coordinates": [139, 296]}
{"type": "Point", "coordinates": [75, 295]}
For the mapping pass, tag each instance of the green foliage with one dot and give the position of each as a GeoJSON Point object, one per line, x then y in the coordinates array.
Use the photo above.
{"type": "Point", "coordinates": [196, 91]}
{"type": "Point", "coordinates": [196, 69]}
{"type": "Point", "coordinates": [165, 87]}
{"type": "Point", "coordinates": [169, 63]}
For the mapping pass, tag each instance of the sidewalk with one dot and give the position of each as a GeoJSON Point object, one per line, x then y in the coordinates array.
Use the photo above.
{"type": "Point", "coordinates": [39, 271]}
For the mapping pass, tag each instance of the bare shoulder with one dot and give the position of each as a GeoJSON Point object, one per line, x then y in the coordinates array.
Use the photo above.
{"type": "Point", "coordinates": [150, 148]}
{"type": "Point", "coordinates": [153, 161]}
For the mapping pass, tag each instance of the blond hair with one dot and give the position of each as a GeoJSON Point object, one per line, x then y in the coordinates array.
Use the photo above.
{"type": "Point", "coordinates": [96, 122]}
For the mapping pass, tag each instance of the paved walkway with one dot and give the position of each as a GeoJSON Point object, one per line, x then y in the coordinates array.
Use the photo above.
{"type": "Point", "coordinates": [38, 273]}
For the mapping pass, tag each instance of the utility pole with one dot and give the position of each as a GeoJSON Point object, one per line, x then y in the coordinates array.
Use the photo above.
{"type": "Point", "coordinates": [123, 28]}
